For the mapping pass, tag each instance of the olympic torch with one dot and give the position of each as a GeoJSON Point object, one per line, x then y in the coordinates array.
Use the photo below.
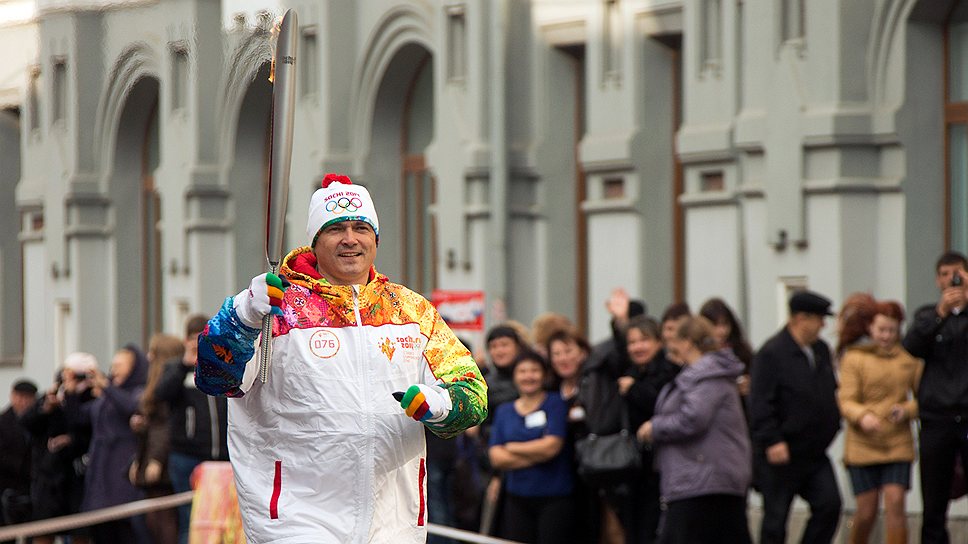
{"type": "Point", "coordinates": [280, 140]}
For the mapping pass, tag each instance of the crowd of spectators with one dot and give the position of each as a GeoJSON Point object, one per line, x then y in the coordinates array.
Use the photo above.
{"type": "Point", "coordinates": [92, 440]}
{"type": "Point", "coordinates": [716, 420]}
{"type": "Point", "coordinates": [712, 418]}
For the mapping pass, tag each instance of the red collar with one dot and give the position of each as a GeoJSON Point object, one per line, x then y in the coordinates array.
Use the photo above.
{"type": "Point", "coordinates": [305, 263]}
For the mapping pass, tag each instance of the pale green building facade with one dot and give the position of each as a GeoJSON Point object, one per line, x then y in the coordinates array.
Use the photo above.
{"type": "Point", "coordinates": [541, 151]}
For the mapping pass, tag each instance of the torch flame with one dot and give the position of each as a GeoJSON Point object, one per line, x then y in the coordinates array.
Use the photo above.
{"type": "Point", "coordinates": [273, 41]}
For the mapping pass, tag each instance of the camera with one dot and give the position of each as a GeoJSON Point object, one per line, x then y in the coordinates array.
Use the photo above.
{"type": "Point", "coordinates": [956, 280]}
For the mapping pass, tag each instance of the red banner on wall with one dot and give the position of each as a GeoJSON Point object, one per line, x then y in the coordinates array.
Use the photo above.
{"type": "Point", "coordinates": [462, 310]}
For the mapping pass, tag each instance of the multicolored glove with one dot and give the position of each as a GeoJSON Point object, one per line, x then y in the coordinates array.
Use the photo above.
{"type": "Point", "coordinates": [425, 403]}
{"type": "Point", "coordinates": [264, 296]}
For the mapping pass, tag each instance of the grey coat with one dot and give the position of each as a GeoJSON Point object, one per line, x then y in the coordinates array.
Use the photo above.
{"type": "Point", "coordinates": [699, 431]}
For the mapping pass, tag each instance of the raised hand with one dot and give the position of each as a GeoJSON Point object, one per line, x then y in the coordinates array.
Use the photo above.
{"type": "Point", "coordinates": [618, 304]}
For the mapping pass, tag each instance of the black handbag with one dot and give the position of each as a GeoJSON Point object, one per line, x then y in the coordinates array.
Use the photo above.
{"type": "Point", "coordinates": [611, 459]}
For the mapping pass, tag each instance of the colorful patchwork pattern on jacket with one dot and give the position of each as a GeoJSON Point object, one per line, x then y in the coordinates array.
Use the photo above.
{"type": "Point", "coordinates": [227, 344]}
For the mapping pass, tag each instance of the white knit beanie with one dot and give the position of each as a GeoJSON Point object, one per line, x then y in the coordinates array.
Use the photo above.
{"type": "Point", "coordinates": [80, 363]}
{"type": "Point", "coordinates": [340, 200]}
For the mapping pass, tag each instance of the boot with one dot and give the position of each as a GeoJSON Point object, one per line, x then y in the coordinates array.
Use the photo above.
{"type": "Point", "coordinates": [897, 535]}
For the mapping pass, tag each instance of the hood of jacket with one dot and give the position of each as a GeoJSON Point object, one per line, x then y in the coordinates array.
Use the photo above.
{"type": "Point", "coordinates": [139, 373]}
{"type": "Point", "coordinates": [715, 364]}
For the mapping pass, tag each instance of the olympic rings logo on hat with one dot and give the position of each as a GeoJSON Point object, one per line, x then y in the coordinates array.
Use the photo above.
{"type": "Point", "coordinates": [344, 205]}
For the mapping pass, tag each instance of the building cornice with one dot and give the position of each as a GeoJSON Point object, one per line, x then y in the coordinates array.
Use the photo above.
{"type": "Point", "coordinates": [55, 7]}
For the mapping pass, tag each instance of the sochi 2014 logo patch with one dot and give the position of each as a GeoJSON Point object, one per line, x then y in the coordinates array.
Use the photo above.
{"type": "Point", "coordinates": [412, 347]}
{"type": "Point", "coordinates": [388, 347]}
{"type": "Point", "coordinates": [324, 344]}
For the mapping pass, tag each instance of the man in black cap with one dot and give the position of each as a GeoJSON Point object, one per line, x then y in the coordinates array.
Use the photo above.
{"type": "Point", "coordinates": [793, 418]}
{"type": "Point", "coordinates": [15, 455]}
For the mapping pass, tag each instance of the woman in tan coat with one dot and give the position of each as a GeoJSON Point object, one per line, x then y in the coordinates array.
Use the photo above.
{"type": "Point", "coordinates": [878, 381]}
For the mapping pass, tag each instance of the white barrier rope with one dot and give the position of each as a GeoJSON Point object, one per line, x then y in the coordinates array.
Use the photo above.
{"type": "Point", "coordinates": [465, 536]}
{"type": "Point", "coordinates": [86, 519]}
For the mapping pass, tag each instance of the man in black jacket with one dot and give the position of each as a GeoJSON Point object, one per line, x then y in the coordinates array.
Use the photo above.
{"type": "Point", "coordinates": [939, 335]}
{"type": "Point", "coordinates": [198, 421]}
{"type": "Point", "coordinates": [793, 419]}
{"type": "Point", "coordinates": [15, 455]}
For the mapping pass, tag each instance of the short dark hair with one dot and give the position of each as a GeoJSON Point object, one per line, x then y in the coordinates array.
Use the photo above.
{"type": "Point", "coordinates": [568, 336]}
{"type": "Point", "coordinates": [951, 257]}
{"type": "Point", "coordinates": [504, 331]}
{"type": "Point", "coordinates": [675, 311]}
{"type": "Point", "coordinates": [195, 324]}
{"type": "Point", "coordinates": [645, 325]}
{"type": "Point", "coordinates": [530, 355]}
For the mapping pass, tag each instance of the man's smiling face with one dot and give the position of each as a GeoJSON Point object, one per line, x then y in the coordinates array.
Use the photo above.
{"type": "Point", "coordinates": [345, 251]}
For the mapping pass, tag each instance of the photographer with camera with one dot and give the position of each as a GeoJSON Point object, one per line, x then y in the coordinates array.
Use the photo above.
{"type": "Point", "coordinates": [59, 443]}
{"type": "Point", "coordinates": [939, 335]}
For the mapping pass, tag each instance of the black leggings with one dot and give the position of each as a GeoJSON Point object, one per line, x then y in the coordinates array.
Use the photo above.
{"type": "Point", "coordinates": [538, 520]}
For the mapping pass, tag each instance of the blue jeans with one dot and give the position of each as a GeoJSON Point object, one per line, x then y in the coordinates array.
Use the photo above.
{"type": "Point", "coordinates": [180, 467]}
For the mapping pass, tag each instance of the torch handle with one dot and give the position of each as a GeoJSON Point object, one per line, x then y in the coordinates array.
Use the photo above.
{"type": "Point", "coordinates": [265, 353]}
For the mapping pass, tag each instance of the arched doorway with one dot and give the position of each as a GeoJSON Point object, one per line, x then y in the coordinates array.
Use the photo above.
{"type": "Point", "coordinates": [137, 217]}
{"type": "Point", "coordinates": [397, 170]}
{"type": "Point", "coordinates": [248, 177]}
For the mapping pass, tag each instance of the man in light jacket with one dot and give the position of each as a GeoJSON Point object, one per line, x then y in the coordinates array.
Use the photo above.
{"type": "Point", "coordinates": [324, 451]}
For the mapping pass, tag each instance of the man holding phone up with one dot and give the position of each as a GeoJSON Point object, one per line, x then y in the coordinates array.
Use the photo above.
{"type": "Point", "coordinates": [939, 335]}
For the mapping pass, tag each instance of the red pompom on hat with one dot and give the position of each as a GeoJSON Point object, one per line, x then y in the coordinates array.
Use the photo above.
{"type": "Point", "coordinates": [336, 178]}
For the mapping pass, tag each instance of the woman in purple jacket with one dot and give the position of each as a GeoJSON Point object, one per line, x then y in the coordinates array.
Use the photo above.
{"type": "Point", "coordinates": [702, 443]}
{"type": "Point", "coordinates": [113, 443]}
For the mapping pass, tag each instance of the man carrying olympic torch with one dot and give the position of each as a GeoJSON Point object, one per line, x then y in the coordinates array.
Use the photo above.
{"type": "Point", "coordinates": [326, 446]}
